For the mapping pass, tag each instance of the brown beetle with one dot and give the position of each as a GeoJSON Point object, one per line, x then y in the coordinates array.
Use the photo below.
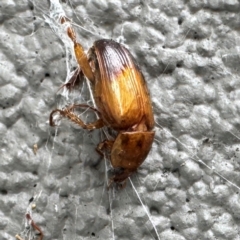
{"type": "Point", "coordinates": [122, 100]}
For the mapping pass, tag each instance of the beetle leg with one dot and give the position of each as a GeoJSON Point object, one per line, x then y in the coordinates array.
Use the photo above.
{"type": "Point", "coordinates": [34, 225]}
{"type": "Point", "coordinates": [74, 118]}
{"type": "Point", "coordinates": [105, 145]}
{"type": "Point", "coordinates": [83, 106]}
{"type": "Point", "coordinates": [51, 121]}
{"type": "Point", "coordinates": [75, 80]}
{"type": "Point", "coordinates": [110, 183]}
{"type": "Point", "coordinates": [120, 185]}
{"type": "Point", "coordinates": [80, 55]}
{"type": "Point", "coordinates": [121, 177]}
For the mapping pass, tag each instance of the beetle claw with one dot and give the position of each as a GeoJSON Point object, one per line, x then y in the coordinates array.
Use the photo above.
{"type": "Point", "coordinates": [51, 121]}
{"type": "Point", "coordinates": [119, 185]}
{"type": "Point", "coordinates": [75, 80]}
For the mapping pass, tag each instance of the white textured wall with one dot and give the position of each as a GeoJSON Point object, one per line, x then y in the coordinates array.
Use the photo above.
{"type": "Point", "coordinates": [189, 54]}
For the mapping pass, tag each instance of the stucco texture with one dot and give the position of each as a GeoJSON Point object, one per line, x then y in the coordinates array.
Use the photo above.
{"type": "Point", "coordinates": [189, 184]}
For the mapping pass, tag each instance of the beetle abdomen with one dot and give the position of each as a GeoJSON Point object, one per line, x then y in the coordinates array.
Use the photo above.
{"type": "Point", "coordinates": [120, 91]}
{"type": "Point", "coordinates": [130, 149]}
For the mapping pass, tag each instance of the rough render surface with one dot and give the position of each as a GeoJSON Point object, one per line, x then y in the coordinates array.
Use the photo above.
{"type": "Point", "coordinates": [189, 54]}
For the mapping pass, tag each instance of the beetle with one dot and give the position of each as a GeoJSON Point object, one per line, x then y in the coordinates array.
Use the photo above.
{"type": "Point", "coordinates": [122, 100]}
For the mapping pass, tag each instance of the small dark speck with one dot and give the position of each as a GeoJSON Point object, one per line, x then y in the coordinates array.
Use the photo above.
{"type": "Point", "coordinates": [64, 195]}
{"type": "Point", "coordinates": [166, 170]}
{"type": "Point", "coordinates": [47, 75]}
{"type": "Point", "coordinates": [175, 170]}
{"type": "Point", "coordinates": [172, 228]}
{"type": "Point", "coordinates": [179, 64]}
{"type": "Point", "coordinates": [180, 21]}
{"type": "Point", "coordinates": [93, 234]}
{"type": "Point", "coordinates": [187, 200]}
{"type": "Point", "coordinates": [31, 199]}
{"type": "Point", "coordinates": [154, 210]}
{"type": "Point", "coordinates": [195, 35]}
{"type": "Point", "coordinates": [34, 185]}
{"type": "Point", "coordinates": [206, 140]}
{"type": "Point", "coordinates": [4, 192]}
{"type": "Point", "coordinates": [31, 7]}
